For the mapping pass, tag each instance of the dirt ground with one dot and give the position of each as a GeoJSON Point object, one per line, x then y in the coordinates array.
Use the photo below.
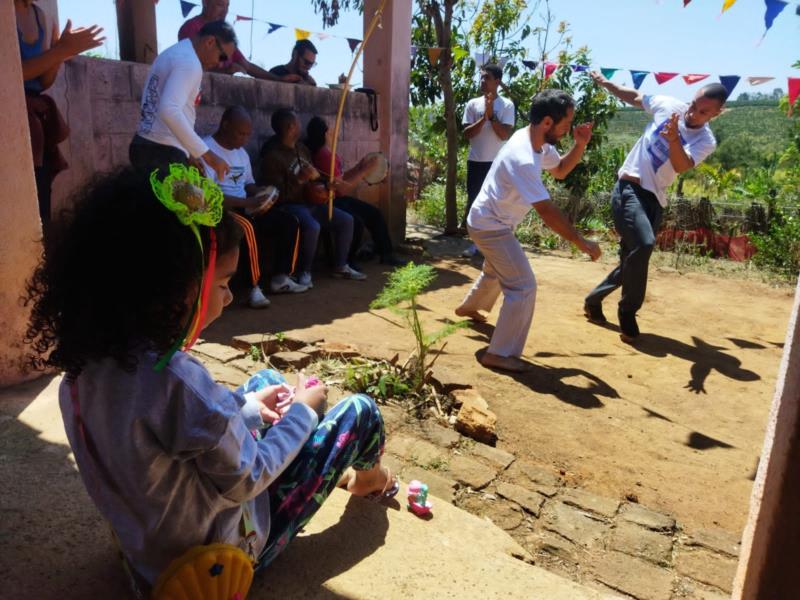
{"type": "Point", "coordinates": [678, 420]}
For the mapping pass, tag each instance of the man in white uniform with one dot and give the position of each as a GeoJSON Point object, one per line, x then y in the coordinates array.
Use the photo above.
{"type": "Point", "coordinates": [171, 92]}
{"type": "Point", "coordinates": [513, 185]}
{"type": "Point", "coordinates": [677, 139]}
{"type": "Point", "coordinates": [488, 123]}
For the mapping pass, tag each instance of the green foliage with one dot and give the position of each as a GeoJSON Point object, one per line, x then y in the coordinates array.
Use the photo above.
{"type": "Point", "coordinates": [430, 206]}
{"type": "Point", "coordinates": [400, 295]}
{"type": "Point", "coordinates": [779, 248]}
{"type": "Point", "coordinates": [255, 354]}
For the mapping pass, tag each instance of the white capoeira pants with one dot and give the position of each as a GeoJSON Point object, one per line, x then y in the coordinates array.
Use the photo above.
{"type": "Point", "coordinates": [506, 269]}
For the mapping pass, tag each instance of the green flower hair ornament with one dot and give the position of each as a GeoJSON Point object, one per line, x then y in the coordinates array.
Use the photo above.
{"type": "Point", "coordinates": [194, 200]}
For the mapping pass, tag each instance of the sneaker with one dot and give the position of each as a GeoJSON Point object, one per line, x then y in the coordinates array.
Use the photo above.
{"type": "Point", "coordinates": [257, 298]}
{"type": "Point", "coordinates": [347, 272]}
{"type": "Point", "coordinates": [594, 312]}
{"type": "Point", "coordinates": [304, 279]}
{"type": "Point", "coordinates": [283, 284]}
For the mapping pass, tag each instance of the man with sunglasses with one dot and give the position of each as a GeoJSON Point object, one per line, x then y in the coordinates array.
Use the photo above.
{"type": "Point", "coordinates": [171, 93]}
{"type": "Point", "coordinates": [676, 140]}
{"type": "Point", "coordinates": [304, 57]}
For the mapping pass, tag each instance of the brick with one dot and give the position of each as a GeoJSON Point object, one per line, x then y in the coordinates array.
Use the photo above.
{"type": "Point", "coordinates": [218, 352]}
{"type": "Point", "coordinates": [338, 349]}
{"type": "Point", "coordinates": [265, 342]}
{"type": "Point", "coordinates": [312, 351]}
{"type": "Point", "coordinates": [644, 543]}
{"type": "Point", "coordinates": [496, 456]}
{"type": "Point", "coordinates": [605, 507]}
{"type": "Point", "coordinates": [706, 567]}
{"type": "Point", "coordinates": [575, 525]}
{"type": "Point", "coordinates": [436, 434]}
{"type": "Point", "coordinates": [108, 79]}
{"type": "Point", "coordinates": [471, 394]}
{"type": "Point", "coordinates": [470, 473]}
{"type": "Point", "coordinates": [301, 337]}
{"type": "Point", "coordinates": [530, 501]}
{"type": "Point", "coordinates": [477, 423]}
{"type": "Point", "coordinates": [718, 540]}
{"type": "Point", "coordinates": [294, 360]}
{"type": "Point", "coordinates": [438, 485]}
{"type": "Point", "coordinates": [634, 513]}
{"type": "Point", "coordinates": [633, 576]}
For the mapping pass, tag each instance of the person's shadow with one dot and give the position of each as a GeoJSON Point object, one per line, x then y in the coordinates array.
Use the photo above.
{"type": "Point", "coordinates": [552, 381]}
{"type": "Point", "coordinates": [703, 356]}
{"type": "Point", "coordinates": [310, 560]}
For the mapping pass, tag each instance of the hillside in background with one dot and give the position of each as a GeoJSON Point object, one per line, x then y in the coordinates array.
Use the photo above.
{"type": "Point", "coordinates": [755, 128]}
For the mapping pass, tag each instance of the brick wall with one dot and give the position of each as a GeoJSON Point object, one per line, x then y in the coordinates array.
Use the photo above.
{"type": "Point", "coordinates": [100, 100]}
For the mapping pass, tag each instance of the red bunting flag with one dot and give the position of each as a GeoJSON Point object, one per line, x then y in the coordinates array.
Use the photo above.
{"type": "Point", "coordinates": [758, 80]}
{"type": "Point", "coordinates": [241, 18]}
{"type": "Point", "coordinates": [692, 79]}
{"type": "Point", "coordinates": [549, 68]}
{"type": "Point", "coordinates": [685, 2]}
{"type": "Point", "coordinates": [794, 91]}
{"type": "Point", "coordinates": [433, 55]}
{"type": "Point", "coordinates": [662, 77]}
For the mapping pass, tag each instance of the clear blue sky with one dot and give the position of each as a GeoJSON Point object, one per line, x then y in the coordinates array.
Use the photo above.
{"type": "Point", "coordinates": [648, 35]}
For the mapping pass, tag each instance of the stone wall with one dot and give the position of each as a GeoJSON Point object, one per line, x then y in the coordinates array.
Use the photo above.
{"type": "Point", "coordinates": [100, 100]}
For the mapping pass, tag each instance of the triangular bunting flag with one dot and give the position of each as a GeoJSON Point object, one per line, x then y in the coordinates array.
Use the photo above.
{"type": "Point", "coordinates": [413, 52]}
{"type": "Point", "coordinates": [608, 73]}
{"type": "Point", "coordinates": [241, 18]}
{"type": "Point", "coordinates": [774, 8]}
{"type": "Point", "coordinates": [758, 80]}
{"type": "Point", "coordinates": [323, 36]}
{"type": "Point", "coordinates": [694, 78]}
{"type": "Point", "coordinates": [433, 55]}
{"type": "Point", "coordinates": [794, 91]}
{"type": "Point", "coordinates": [727, 4]}
{"type": "Point", "coordinates": [662, 77]}
{"type": "Point", "coordinates": [501, 62]}
{"type": "Point", "coordinates": [274, 27]}
{"type": "Point", "coordinates": [549, 69]}
{"type": "Point", "coordinates": [481, 58]}
{"type": "Point", "coordinates": [187, 7]}
{"type": "Point", "coordinates": [685, 2]}
{"type": "Point", "coordinates": [729, 81]}
{"type": "Point", "coordinates": [638, 78]}
{"type": "Point", "coordinates": [580, 68]}
{"type": "Point", "coordinates": [353, 43]}
{"type": "Point", "coordinates": [301, 34]}
{"type": "Point", "coordinates": [531, 64]}
{"type": "Point", "coordinates": [459, 53]}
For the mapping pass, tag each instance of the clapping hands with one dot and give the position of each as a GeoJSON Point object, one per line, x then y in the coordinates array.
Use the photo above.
{"type": "Point", "coordinates": [582, 133]}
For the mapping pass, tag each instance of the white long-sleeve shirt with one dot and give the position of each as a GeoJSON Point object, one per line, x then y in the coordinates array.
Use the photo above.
{"type": "Point", "coordinates": [170, 94]}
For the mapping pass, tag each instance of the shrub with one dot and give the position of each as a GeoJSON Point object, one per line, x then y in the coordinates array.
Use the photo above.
{"type": "Point", "coordinates": [779, 248]}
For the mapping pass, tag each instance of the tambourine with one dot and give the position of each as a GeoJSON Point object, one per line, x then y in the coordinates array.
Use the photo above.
{"type": "Point", "coordinates": [266, 197]}
{"type": "Point", "coordinates": [379, 171]}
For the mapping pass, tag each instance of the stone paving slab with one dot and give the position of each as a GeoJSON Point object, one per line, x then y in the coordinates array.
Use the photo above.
{"type": "Point", "coordinates": [633, 576]}
{"type": "Point", "coordinates": [633, 513]}
{"type": "Point", "coordinates": [575, 525]}
{"type": "Point", "coordinates": [219, 352]}
{"type": "Point", "coordinates": [644, 543]}
{"type": "Point", "coordinates": [554, 545]}
{"type": "Point", "coordinates": [606, 507]}
{"type": "Point", "coordinates": [436, 434]}
{"type": "Point", "coordinates": [718, 540]}
{"type": "Point", "coordinates": [530, 501]}
{"type": "Point", "coordinates": [707, 567]}
{"type": "Point", "coordinates": [293, 360]}
{"type": "Point", "coordinates": [470, 472]}
{"type": "Point", "coordinates": [225, 374]}
{"type": "Point", "coordinates": [496, 456]}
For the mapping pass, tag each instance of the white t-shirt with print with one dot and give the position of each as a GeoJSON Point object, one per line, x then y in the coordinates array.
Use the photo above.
{"type": "Point", "coordinates": [169, 97]}
{"type": "Point", "coordinates": [649, 158]}
{"type": "Point", "coordinates": [513, 185]}
{"type": "Point", "coordinates": [485, 146]}
{"type": "Point", "coordinates": [240, 173]}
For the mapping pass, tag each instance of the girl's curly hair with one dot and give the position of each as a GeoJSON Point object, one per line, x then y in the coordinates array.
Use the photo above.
{"type": "Point", "coordinates": [118, 272]}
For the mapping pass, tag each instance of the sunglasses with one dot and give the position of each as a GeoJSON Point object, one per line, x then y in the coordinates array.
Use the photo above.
{"type": "Point", "coordinates": [223, 56]}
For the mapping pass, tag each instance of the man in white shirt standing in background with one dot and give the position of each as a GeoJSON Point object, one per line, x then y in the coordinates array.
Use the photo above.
{"type": "Point", "coordinates": [488, 123]}
{"type": "Point", "coordinates": [676, 140]}
{"type": "Point", "coordinates": [512, 187]}
{"type": "Point", "coordinates": [171, 92]}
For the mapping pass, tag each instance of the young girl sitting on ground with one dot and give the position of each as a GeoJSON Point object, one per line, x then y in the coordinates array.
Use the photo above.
{"type": "Point", "coordinates": [166, 453]}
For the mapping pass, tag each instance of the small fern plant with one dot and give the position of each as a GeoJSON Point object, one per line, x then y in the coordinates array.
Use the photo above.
{"type": "Point", "coordinates": [399, 295]}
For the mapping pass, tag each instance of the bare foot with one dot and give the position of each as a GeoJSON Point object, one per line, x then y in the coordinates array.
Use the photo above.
{"type": "Point", "coordinates": [505, 363]}
{"type": "Point", "coordinates": [470, 314]}
{"type": "Point", "coordinates": [362, 483]}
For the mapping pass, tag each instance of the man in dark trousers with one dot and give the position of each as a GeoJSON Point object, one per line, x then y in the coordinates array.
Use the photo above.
{"type": "Point", "coordinates": [678, 139]}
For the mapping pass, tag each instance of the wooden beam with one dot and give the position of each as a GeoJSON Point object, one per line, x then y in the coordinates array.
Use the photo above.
{"type": "Point", "coordinates": [136, 24]}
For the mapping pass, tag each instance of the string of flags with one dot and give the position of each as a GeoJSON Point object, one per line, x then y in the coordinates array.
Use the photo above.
{"type": "Point", "coordinates": [299, 34]}
{"type": "Point", "coordinates": [772, 9]}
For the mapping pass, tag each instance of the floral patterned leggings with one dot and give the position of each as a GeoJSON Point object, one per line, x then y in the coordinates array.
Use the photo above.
{"type": "Point", "coordinates": [350, 435]}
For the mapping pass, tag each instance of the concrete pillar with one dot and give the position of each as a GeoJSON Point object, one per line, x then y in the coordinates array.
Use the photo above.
{"type": "Point", "coordinates": [20, 227]}
{"type": "Point", "coordinates": [771, 540]}
{"type": "Point", "coordinates": [136, 24]}
{"type": "Point", "coordinates": [387, 70]}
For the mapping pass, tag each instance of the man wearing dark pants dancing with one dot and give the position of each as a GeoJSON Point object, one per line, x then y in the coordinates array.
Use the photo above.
{"type": "Point", "coordinates": [678, 139]}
